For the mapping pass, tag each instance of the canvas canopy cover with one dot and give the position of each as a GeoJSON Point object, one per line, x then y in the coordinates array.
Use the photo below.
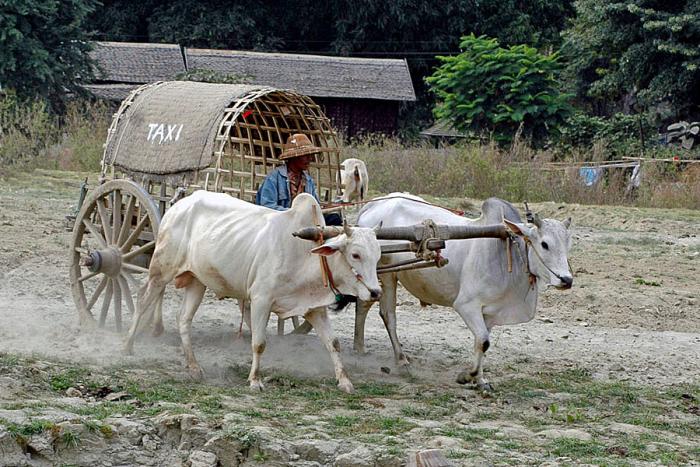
{"type": "Point", "coordinates": [171, 127]}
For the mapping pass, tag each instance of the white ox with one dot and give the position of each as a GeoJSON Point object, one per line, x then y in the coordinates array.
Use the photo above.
{"type": "Point", "coordinates": [354, 180]}
{"type": "Point", "coordinates": [476, 281]}
{"type": "Point", "coordinates": [240, 250]}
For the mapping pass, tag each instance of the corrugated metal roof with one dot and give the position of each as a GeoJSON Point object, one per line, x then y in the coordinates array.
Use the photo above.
{"type": "Point", "coordinates": [138, 63]}
{"type": "Point", "coordinates": [313, 75]}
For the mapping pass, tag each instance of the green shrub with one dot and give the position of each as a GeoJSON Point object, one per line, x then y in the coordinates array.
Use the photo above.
{"type": "Point", "coordinates": [492, 91]}
{"type": "Point", "coordinates": [619, 135]}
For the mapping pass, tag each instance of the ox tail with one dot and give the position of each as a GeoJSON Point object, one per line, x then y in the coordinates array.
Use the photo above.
{"type": "Point", "coordinates": [149, 306]}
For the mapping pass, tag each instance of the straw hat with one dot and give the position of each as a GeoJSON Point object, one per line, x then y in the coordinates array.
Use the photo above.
{"type": "Point", "coordinates": [297, 145]}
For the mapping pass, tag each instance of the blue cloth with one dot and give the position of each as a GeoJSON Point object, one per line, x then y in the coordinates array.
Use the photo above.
{"type": "Point", "coordinates": [274, 192]}
{"type": "Point", "coordinates": [590, 175]}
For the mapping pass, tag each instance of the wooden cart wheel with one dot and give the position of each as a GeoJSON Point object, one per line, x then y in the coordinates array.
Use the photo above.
{"type": "Point", "coordinates": [113, 239]}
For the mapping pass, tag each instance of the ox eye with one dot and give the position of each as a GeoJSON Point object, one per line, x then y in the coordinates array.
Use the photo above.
{"type": "Point", "coordinates": [545, 246]}
{"type": "Point", "coordinates": [356, 256]}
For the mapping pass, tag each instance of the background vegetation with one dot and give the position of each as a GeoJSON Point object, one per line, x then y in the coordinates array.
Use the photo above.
{"type": "Point", "coordinates": [581, 80]}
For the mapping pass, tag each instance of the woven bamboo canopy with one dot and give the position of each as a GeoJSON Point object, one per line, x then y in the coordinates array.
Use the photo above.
{"type": "Point", "coordinates": [218, 137]}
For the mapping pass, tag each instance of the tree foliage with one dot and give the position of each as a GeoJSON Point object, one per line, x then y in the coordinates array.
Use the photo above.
{"type": "Point", "coordinates": [415, 30]}
{"type": "Point", "coordinates": [636, 51]}
{"type": "Point", "coordinates": [43, 47]}
{"type": "Point", "coordinates": [488, 89]}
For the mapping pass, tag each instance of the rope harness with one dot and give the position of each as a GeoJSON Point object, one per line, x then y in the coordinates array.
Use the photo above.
{"type": "Point", "coordinates": [532, 278]}
{"type": "Point", "coordinates": [327, 274]}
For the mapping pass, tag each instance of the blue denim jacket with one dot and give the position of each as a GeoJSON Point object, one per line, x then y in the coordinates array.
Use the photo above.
{"type": "Point", "coordinates": [274, 192]}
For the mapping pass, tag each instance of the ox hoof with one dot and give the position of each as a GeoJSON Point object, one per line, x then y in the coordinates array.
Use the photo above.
{"type": "Point", "coordinates": [403, 361]}
{"type": "Point", "coordinates": [346, 386]}
{"type": "Point", "coordinates": [157, 330]}
{"type": "Point", "coordinates": [256, 386]}
{"type": "Point", "coordinates": [128, 349]}
{"type": "Point", "coordinates": [195, 372]}
{"type": "Point", "coordinates": [88, 323]}
{"type": "Point", "coordinates": [464, 378]}
{"type": "Point", "coordinates": [360, 351]}
{"type": "Point", "coordinates": [484, 386]}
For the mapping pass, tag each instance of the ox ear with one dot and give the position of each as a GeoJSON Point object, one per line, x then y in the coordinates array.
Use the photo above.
{"type": "Point", "coordinates": [517, 228]}
{"type": "Point", "coordinates": [332, 246]}
{"type": "Point", "coordinates": [567, 222]}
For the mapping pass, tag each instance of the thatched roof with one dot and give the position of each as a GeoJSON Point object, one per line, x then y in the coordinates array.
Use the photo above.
{"type": "Point", "coordinates": [313, 75]}
{"type": "Point", "coordinates": [110, 92]}
{"type": "Point", "coordinates": [442, 129]}
{"type": "Point", "coordinates": [128, 62]}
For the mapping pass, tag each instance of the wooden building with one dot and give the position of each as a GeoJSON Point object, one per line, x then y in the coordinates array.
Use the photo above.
{"type": "Point", "coordinates": [359, 95]}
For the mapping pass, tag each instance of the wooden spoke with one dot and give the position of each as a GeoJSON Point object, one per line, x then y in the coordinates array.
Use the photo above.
{"type": "Point", "coordinates": [139, 250]}
{"type": "Point", "coordinates": [117, 305]}
{"type": "Point", "coordinates": [130, 278]}
{"type": "Point", "coordinates": [127, 295]}
{"type": "Point", "coordinates": [100, 288]}
{"type": "Point", "coordinates": [88, 276]}
{"type": "Point", "coordinates": [135, 234]}
{"type": "Point", "coordinates": [106, 302]}
{"type": "Point", "coordinates": [127, 221]}
{"type": "Point", "coordinates": [134, 268]}
{"type": "Point", "coordinates": [95, 233]}
{"type": "Point", "coordinates": [116, 216]}
{"type": "Point", "coordinates": [104, 220]}
{"type": "Point", "coordinates": [121, 214]}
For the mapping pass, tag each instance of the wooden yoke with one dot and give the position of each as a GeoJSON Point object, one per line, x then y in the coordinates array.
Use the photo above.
{"type": "Point", "coordinates": [425, 240]}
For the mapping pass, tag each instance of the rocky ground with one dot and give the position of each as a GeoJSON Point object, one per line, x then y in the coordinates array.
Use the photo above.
{"type": "Point", "coordinates": [606, 374]}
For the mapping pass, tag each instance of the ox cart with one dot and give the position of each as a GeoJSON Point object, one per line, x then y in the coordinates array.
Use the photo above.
{"type": "Point", "coordinates": [169, 139]}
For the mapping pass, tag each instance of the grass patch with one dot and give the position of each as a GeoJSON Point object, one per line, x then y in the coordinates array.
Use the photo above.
{"type": "Point", "coordinates": [376, 389]}
{"type": "Point", "coordinates": [70, 439]}
{"type": "Point", "coordinates": [642, 281]}
{"type": "Point", "coordinates": [576, 448]}
{"type": "Point", "coordinates": [369, 425]}
{"type": "Point", "coordinates": [466, 433]}
{"type": "Point", "coordinates": [248, 437]}
{"type": "Point", "coordinates": [344, 421]}
{"type": "Point", "coordinates": [69, 378]}
{"type": "Point", "coordinates": [210, 405]}
{"type": "Point", "coordinates": [34, 427]}
{"type": "Point", "coordinates": [9, 359]}
{"type": "Point", "coordinates": [103, 410]}
{"type": "Point", "coordinates": [416, 411]}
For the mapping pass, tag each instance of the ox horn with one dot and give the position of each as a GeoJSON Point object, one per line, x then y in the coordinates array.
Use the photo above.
{"type": "Point", "coordinates": [317, 233]}
{"type": "Point", "coordinates": [346, 228]}
{"type": "Point", "coordinates": [537, 221]}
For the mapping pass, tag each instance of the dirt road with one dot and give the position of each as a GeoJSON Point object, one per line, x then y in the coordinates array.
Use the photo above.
{"type": "Point", "coordinates": [632, 320]}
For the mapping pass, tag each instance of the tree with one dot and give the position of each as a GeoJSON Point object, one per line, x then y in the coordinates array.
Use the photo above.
{"type": "Point", "coordinates": [488, 89]}
{"type": "Point", "coordinates": [43, 46]}
{"type": "Point", "coordinates": [244, 24]}
{"type": "Point", "coordinates": [637, 51]}
{"type": "Point", "coordinates": [415, 30]}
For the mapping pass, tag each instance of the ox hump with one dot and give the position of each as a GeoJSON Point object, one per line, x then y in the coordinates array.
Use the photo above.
{"type": "Point", "coordinates": [305, 208]}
